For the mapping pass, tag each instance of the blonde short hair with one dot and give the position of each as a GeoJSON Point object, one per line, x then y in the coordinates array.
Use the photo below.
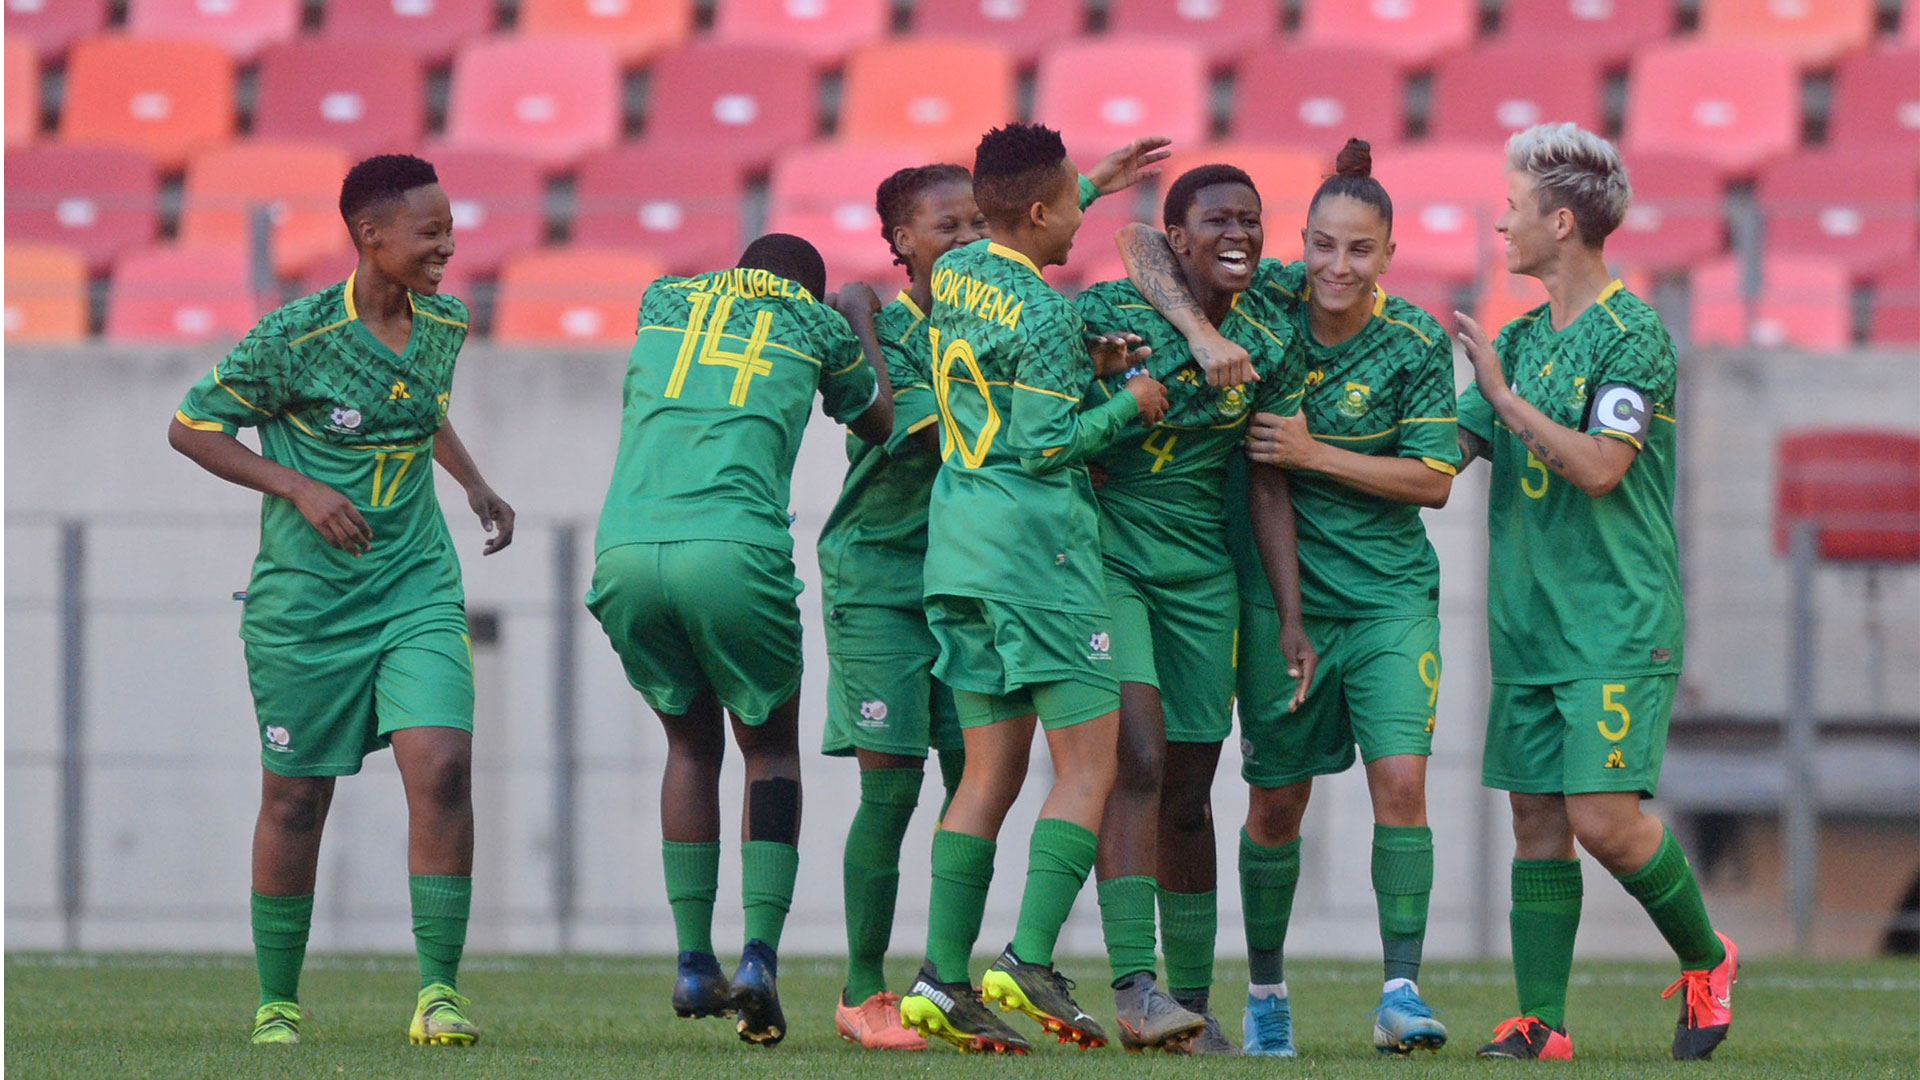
{"type": "Point", "coordinates": [1575, 169]}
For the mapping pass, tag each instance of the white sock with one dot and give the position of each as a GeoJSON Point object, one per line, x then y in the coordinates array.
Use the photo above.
{"type": "Point", "coordinates": [1391, 985]}
{"type": "Point", "coordinates": [1268, 990]}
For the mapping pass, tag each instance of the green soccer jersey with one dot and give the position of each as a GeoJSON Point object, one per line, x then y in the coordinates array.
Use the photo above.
{"type": "Point", "coordinates": [1388, 391]}
{"type": "Point", "coordinates": [1163, 513]}
{"type": "Point", "coordinates": [334, 403]}
{"type": "Point", "coordinates": [719, 384]}
{"type": "Point", "coordinates": [1581, 587]}
{"type": "Point", "coordinates": [875, 541]}
{"type": "Point", "coordinates": [1012, 514]}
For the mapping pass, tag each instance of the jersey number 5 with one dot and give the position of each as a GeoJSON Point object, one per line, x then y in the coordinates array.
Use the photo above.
{"type": "Point", "coordinates": [1526, 482]}
{"type": "Point", "coordinates": [1608, 704]}
{"type": "Point", "coordinates": [959, 350]}
{"type": "Point", "coordinates": [706, 327]}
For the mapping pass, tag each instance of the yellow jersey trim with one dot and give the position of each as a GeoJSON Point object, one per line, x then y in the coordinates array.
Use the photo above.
{"type": "Point", "coordinates": [1613, 287]}
{"type": "Point", "coordinates": [1440, 466]}
{"type": "Point", "coordinates": [1623, 436]}
{"type": "Point", "coordinates": [1664, 416]}
{"type": "Point", "coordinates": [199, 425]}
{"type": "Point", "coordinates": [1357, 438]}
{"type": "Point", "coordinates": [217, 381]}
{"type": "Point", "coordinates": [310, 335]}
{"type": "Point", "coordinates": [418, 310]}
{"type": "Point", "coordinates": [296, 423]}
{"type": "Point", "coordinates": [1008, 253]}
{"type": "Point", "coordinates": [1041, 390]}
{"type": "Point", "coordinates": [1429, 419]}
{"type": "Point", "coordinates": [348, 295]}
{"type": "Point", "coordinates": [849, 367]}
{"type": "Point", "coordinates": [911, 306]}
{"type": "Point", "coordinates": [923, 423]}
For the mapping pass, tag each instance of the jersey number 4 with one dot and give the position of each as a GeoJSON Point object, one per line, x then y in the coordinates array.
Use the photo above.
{"type": "Point", "coordinates": [706, 331]}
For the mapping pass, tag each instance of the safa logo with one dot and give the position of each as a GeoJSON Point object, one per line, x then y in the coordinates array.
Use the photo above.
{"type": "Point", "coordinates": [1233, 401]}
{"type": "Point", "coordinates": [1356, 400]}
{"type": "Point", "coordinates": [1101, 646]}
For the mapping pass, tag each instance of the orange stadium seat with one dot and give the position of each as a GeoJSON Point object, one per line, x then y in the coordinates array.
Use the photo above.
{"type": "Point", "coordinates": [1804, 303]}
{"type": "Point", "coordinates": [636, 30]}
{"type": "Point", "coordinates": [1413, 32]}
{"type": "Point", "coordinates": [368, 99]}
{"type": "Point", "coordinates": [242, 27]}
{"type": "Point", "coordinates": [1876, 100]}
{"type": "Point", "coordinates": [1497, 89]}
{"type": "Point", "coordinates": [299, 182]}
{"type": "Point", "coordinates": [23, 93]}
{"type": "Point", "coordinates": [97, 200]}
{"type": "Point", "coordinates": [1102, 93]}
{"type": "Point", "coordinates": [1854, 207]}
{"type": "Point", "coordinates": [1027, 28]}
{"type": "Point", "coordinates": [552, 99]}
{"type": "Point", "coordinates": [1285, 176]}
{"type": "Point", "coordinates": [1893, 315]}
{"type": "Point", "coordinates": [1814, 32]}
{"type": "Point", "coordinates": [934, 93]}
{"type": "Point", "coordinates": [1094, 256]}
{"type": "Point", "coordinates": [1677, 217]}
{"type": "Point", "coordinates": [46, 293]}
{"type": "Point", "coordinates": [430, 29]}
{"type": "Point", "coordinates": [1736, 106]}
{"type": "Point", "coordinates": [748, 102]}
{"type": "Point", "coordinates": [183, 293]}
{"type": "Point", "coordinates": [1225, 29]}
{"type": "Point", "coordinates": [572, 296]}
{"type": "Point", "coordinates": [1446, 198]}
{"type": "Point", "coordinates": [1503, 296]}
{"type": "Point", "coordinates": [1317, 97]}
{"type": "Point", "coordinates": [683, 207]}
{"type": "Point", "coordinates": [499, 206]}
{"type": "Point", "coordinates": [53, 25]}
{"type": "Point", "coordinates": [823, 30]}
{"type": "Point", "coordinates": [1609, 30]}
{"type": "Point", "coordinates": [824, 192]}
{"type": "Point", "coordinates": [168, 98]}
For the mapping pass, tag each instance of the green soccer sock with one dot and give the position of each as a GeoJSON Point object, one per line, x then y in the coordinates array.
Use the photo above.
{"type": "Point", "coordinates": [1544, 920]}
{"type": "Point", "coordinates": [952, 764]}
{"type": "Point", "coordinates": [870, 873]}
{"type": "Point", "coordinates": [1268, 878]}
{"type": "Point", "coordinates": [767, 871]}
{"type": "Point", "coordinates": [280, 926]}
{"type": "Point", "coordinates": [1059, 858]}
{"type": "Point", "coordinates": [962, 871]}
{"type": "Point", "coordinates": [1402, 886]}
{"type": "Point", "coordinates": [1126, 919]}
{"type": "Point", "coordinates": [1189, 923]}
{"type": "Point", "coordinates": [441, 903]}
{"type": "Point", "coordinates": [1668, 890]}
{"type": "Point", "coordinates": [693, 882]}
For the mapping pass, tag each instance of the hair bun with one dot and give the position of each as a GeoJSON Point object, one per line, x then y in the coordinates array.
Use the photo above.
{"type": "Point", "coordinates": [1354, 159]}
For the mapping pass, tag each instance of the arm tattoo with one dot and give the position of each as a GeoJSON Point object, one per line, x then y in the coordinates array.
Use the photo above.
{"type": "Point", "coordinates": [1155, 273]}
{"type": "Point", "coordinates": [1471, 446]}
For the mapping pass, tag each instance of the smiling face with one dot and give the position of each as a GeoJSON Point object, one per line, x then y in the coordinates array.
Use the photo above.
{"type": "Point", "coordinates": [944, 218]}
{"type": "Point", "coordinates": [410, 239]}
{"type": "Point", "coordinates": [1348, 248]}
{"type": "Point", "coordinates": [1220, 242]}
{"type": "Point", "coordinates": [1532, 235]}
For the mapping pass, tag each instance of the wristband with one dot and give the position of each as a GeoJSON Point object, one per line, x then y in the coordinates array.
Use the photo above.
{"type": "Point", "coordinates": [1137, 369]}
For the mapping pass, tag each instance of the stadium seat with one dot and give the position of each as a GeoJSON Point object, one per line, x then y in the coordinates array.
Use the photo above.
{"type": "Point", "coordinates": [1437, 296]}
{"type": "Point", "coordinates": [825, 192]}
{"type": "Point", "coordinates": [430, 29]}
{"type": "Point", "coordinates": [1893, 314]}
{"type": "Point", "coordinates": [335, 268]}
{"type": "Point", "coordinates": [1103, 93]}
{"type": "Point", "coordinates": [636, 30]}
{"type": "Point", "coordinates": [552, 99]}
{"type": "Point", "coordinates": [1502, 297]}
{"type": "Point", "coordinates": [1317, 97]}
{"type": "Point", "coordinates": [299, 182]}
{"type": "Point", "coordinates": [1814, 32]}
{"type": "Point", "coordinates": [1608, 30]}
{"type": "Point", "coordinates": [1094, 256]}
{"type": "Point", "coordinates": [1413, 32]}
{"type": "Point", "coordinates": [242, 27]}
{"type": "Point", "coordinates": [1858, 486]}
{"type": "Point", "coordinates": [98, 200]}
{"type": "Point", "coordinates": [499, 206]}
{"type": "Point", "coordinates": [368, 99]}
{"type": "Point", "coordinates": [939, 94]}
{"type": "Point", "coordinates": [183, 293]}
{"type": "Point", "coordinates": [1286, 178]}
{"type": "Point", "coordinates": [1804, 303]}
{"type": "Point", "coordinates": [22, 93]}
{"type": "Point", "coordinates": [1876, 100]}
{"type": "Point", "coordinates": [1446, 198]}
{"type": "Point", "coordinates": [1854, 207]}
{"type": "Point", "coordinates": [683, 207]}
{"type": "Point", "coordinates": [165, 97]}
{"type": "Point", "coordinates": [1497, 89]}
{"type": "Point", "coordinates": [822, 30]}
{"type": "Point", "coordinates": [1736, 106]}
{"type": "Point", "coordinates": [1026, 28]}
{"type": "Point", "coordinates": [46, 294]}
{"type": "Point", "coordinates": [1224, 29]}
{"type": "Point", "coordinates": [573, 296]}
{"type": "Point", "coordinates": [748, 102]}
{"type": "Point", "coordinates": [53, 25]}
{"type": "Point", "coordinates": [1677, 217]}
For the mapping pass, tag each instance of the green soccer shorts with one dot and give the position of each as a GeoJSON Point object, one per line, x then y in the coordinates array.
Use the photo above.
{"type": "Point", "coordinates": [323, 706]}
{"type": "Point", "coordinates": [697, 615]}
{"type": "Point", "coordinates": [1006, 660]}
{"type": "Point", "coordinates": [1178, 638]}
{"type": "Point", "coordinates": [1575, 738]}
{"type": "Point", "coordinates": [881, 693]}
{"type": "Point", "coordinates": [1375, 688]}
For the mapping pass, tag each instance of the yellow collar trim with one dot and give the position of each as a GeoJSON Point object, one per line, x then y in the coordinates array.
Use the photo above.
{"type": "Point", "coordinates": [353, 314]}
{"type": "Point", "coordinates": [1612, 287]}
{"type": "Point", "coordinates": [911, 306]}
{"type": "Point", "coordinates": [1008, 253]}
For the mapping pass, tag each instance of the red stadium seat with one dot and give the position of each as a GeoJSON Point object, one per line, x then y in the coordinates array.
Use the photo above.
{"type": "Point", "coordinates": [935, 93]}
{"type": "Point", "coordinates": [552, 99]}
{"type": "Point", "coordinates": [1736, 106]}
{"type": "Point", "coordinates": [1026, 28]}
{"type": "Point", "coordinates": [1804, 303]}
{"type": "Point", "coordinates": [299, 182]}
{"type": "Point", "coordinates": [242, 27]}
{"type": "Point", "coordinates": [1815, 33]}
{"type": "Point", "coordinates": [499, 206]}
{"type": "Point", "coordinates": [1224, 29]}
{"type": "Point", "coordinates": [1893, 315]}
{"type": "Point", "coordinates": [46, 294]}
{"type": "Point", "coordinates": [335, 268]}
{"type": "Point", "coordinates": [191, 294]}
{"type": "Point", "coordinates": [825, 193]}
{"type": "Point", "coordinates": [1103, 93]}
{"type": "Point", "coordinates": [1413, 32]}
{"type": "Point", "coordinates": [167, 98]}
{"type": "Point", "coordinates": [1286, 178]}
{"type": "Point", "coordinates": [53, 25]}
{"type": "Point", "coordinates": [1495, 90]}
{"type": "Point", "coordinates": [1317, 97]}
{"type": "Point", "coordinates": [1854, 207]}
{"type": "Point", "coordinates": [1503, 296]}
{"type": "Point", "coordinates": [683, 207]}
{"type": "Point", "coordinates": [748, 102]}
{"type": "Point", "coordinates": [636, 30]}
{"type": "Point", "coordinates": [430, 29]}
{"type": "Point", "coordinates": [98, 200]}
{"type": "Point", "coordinates": [1094, 256]}
{"type": "Point", "coordinates": [368, 99]}
{"type": "Point", "coordinates": [1608, 30]}
{"type": "Point", "coordinates": [1860, 487]}
{"type": "Point", "coordinates": [1677, 217]}
{"type": "Point", "coordinates": [1437, 296]}
{"type": "Point", "coordinates": [22, 93]}
{"type": "Point", "coordinates": [1446, 198]}
{"type": "Point", "coordinates": [1876, 100]}
{"type": "Point", "coordinates": [574, 296]}
{"type": "Point", "coordinates": [823, 30]}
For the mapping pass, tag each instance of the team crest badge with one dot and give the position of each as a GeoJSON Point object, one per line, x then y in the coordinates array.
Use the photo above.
{"type": "Point", "coordinates": [1355, 401]}
{"type": "Point", "coordinates": [346, 418]}
{"type": "Point", "coordinates": [1233, 401]}
{"type": "Point", "coordinates": [873, 713]}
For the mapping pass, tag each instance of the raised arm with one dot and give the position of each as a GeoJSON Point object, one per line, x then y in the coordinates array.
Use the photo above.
{"type": "Point", "coordinates": [1270, 506]}
{"type": "Point", "coordinates": [1592, 463]}
{"type": "Point", "coordinates": [495, 515]}
{"type": "Point", "coordinates": [1154, 271]}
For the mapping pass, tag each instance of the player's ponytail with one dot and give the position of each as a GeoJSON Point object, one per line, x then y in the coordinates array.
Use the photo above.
{"type": "Point", "coordinates": [1353, 178]}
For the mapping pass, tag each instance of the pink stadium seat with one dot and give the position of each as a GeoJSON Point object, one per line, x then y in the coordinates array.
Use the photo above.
{"type": "Point", "coordinates": [1094, 256]}
{"type": "Point", "coordinates": [22, 94]}
{"type": "Point", "coordinates": [52, 25]}
{"type": "Point", "coordinates": [499, 206]}
{"type": "Point", "coordinates": [300, 182]}
{"type": "Point", "coordinates": [825, 193]}
{"type": "Point", "coordinates": [1446, 198]}
{"type": "Point", "coordinates": [334, 269]}
{"type": "Point", "coordinates": [97, 200]}
{"type": "Point", "coordinates": [1103, 93]}
{"type": "Point", "coordinates": [823, 30]}
{"type": "Point", "coordinates": [1609, 30]}
{"type": "Point", "coordinates": [368, 99]}
{"type": "Point", "coordinates": [1317, 97]}
{"type": "Point", "coordinates": [684, 207]}
{"type": "Point", "coordinates": [242, 27]}
{"type": "Point", "coordinates": [1495, 90]}
{"type": "Point", "coordinates": [430, 29]}
{"type": "Point", "coordinates": [1854, 207]}
{"type": "Point", "coordinates": [46, 294]}
{"type": "Point", "coordinates": [552, 99]}
{"type": "Point", "coordinates": [939, 94]}
{"type": "Point", "coordinates": [636, 30]}
{"type": "Point", "coordinates": [1437, 296]}
{"type": "Point", "coordinates": [165, 97]}
{"type": "Point", "coordinates": [1736, 106]}
{"type": "Point", "coordinates": [1804, 303]}
{"type": "Point", "coordinates": [1876, 99]}
{"type": "Point", "coordinates": [748, 102]}
{"type": "Point", "coordinates": [1677, 217]}
{"type": "Point", "coordinates": [1285, 176]}
{"type": "Point", "coordinates": [1893, 316]}
{"type": "Point", "coordinates": [187, 294]}
{"type": "Point", "coordinates": [1413, 32]}
{"type": "Point", "coordinates": [1224, 29]}
{"type": "Point", "coordinates": [572, 296]}
{"type": "Point", "coordinates": [1815, 33]}
{"type": "Point", "coordinates": [1027, 28]}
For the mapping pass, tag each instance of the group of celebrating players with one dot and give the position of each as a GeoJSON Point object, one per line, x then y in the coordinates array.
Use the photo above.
{"type": "Point", "coordinates": [1114, 515]}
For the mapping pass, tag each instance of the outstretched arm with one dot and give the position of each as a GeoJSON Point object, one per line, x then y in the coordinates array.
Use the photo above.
{"type": "Point", "coordinates": [495, 515]}
{"type": "Point", "coordinates": [1154, 271]}
{"type": "Point", "coordinates": [330, 513]}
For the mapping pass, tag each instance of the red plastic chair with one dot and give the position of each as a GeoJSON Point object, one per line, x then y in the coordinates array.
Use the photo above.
{"type": "Point", "coordinates": [1413, 32]}
{"type": "Point", "coordinates": [499, 206]}
{"type": "Point", "coordinates": [746, 102]}
{"type": "Point", "coordinates": [684, 208]}
{"type": "Point", "coordinates": [572, 296]}
{"type": "Point", "coordinates": [939, 94]}
{"type": "Point", "coordinates": [636, 30]}
{"type": "Point", "coordinates": [1224, 29]}
{"type": "Point", "coordinates": [1677, 218]}
{"type": "Point", "coordinates": [1317, 97]}
{"type": "Point", "coordinates": [1734, 105]}
{"type": "Point", "coordinates": [430, 29]}
{"type": "Point", "coordinates": [1286, 178]}
{"type": "Point", "coordinates": [1609, 30]}
{"type": "Point", "coordinates": [368, 99]}
{"type": "Point", "coordinates": [552, 99]}
{"type": "Point", "coordinates": [299, 182]}
{"type": "Point", "coordinates": [1497, 89]}
{"type": "Point", "coordinates": [825, 193]}
{"type": "Point", "coordinates": [1876, 100]}
{"type": "Point", "coordinates": [1854, 207]}
{"type": "Point", "coordinates": [334, 269]}
{"type": "Point", "coordinates": [188, 294]}
{"type": "Point", "coordinates": [46, 294]}
{"type": "Point", "coordinates": [1861, 487]}
{"type": "Point", "coordinates": [97, 200]}
{"type": "Point", "coordinates": [242, 27]}
{"type": "Point", "coordinates": [167, 98]}
{"type": "Point", "coordinates": [1815, 32]}
{"type": "Point", "coordinates": [53, 25]}
{"type": "Point", "coordinates": [1804, 303]}
{"type": "Point", "coordinates": [22, 93]}
{"type": "Point", "coordinates": [1025, 28]}
{"type": "Point", "coordinates": [1101, 94]}
{"type": "Point", "coordinates": [823, 30]}
{"type": "Point", "coordinates": [1446, 198]}
{"type": "Point", "coordinates": [1893, 314]}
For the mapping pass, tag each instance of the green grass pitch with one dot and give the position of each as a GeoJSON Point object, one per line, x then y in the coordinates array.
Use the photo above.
{"type": "Point", "coordinates": [588, 1018]}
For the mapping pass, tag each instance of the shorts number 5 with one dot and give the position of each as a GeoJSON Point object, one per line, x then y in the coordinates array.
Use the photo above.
{"type": "Point", "coordinates": [1606, 702]}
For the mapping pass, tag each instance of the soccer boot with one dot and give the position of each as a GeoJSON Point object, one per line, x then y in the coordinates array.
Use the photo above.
{"type": "Point", "coordinates": [954, 1012]}
{"type": "Point", "coordinates": [1150, 1019]}
{"type": "Point", "coordinates": [701, 989]}
{"type": "Point", "coordinates": [1527, 1038]}
{"type": "Point", "coordinates": [1212, 1041]}
{"type": "Point", "coordinates": [875, 1024]}
{"type": "Point", "coordinates": [276, 1024]}
{"type": "Point", "coordinates": [1267, 1029]}
{"type": "Point", "coordinates": [439, 1021]}
{"type": "Point", "coordinates": [756, 996]}
{"type": "Point", "coordinates": [1404, 1023]}
{"type": "Point", "coordinates": [1044, 994]}
{"type": "Point", "coordinates": [1706, 1007]}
